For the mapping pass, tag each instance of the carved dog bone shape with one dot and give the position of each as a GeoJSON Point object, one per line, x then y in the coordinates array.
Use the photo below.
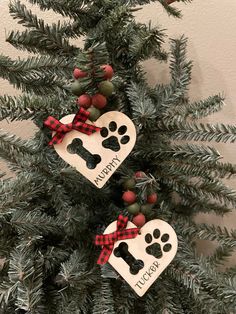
{"type": "Point", "coordinates": [76, 147]}
{"type": "Point", "coordinates": [123, 251]}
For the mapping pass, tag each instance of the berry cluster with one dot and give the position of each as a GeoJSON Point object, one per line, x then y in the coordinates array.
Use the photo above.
{"type": "Point", "coordinates": [97, 101]}
{"type": "Point", "coordinates": [138, 205]}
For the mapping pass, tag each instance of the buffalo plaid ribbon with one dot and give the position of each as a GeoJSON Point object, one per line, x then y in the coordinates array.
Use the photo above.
{"type": "Point", "coordinates": [108, 240]}
{"type": "Point", "coordinates": [77, 124]}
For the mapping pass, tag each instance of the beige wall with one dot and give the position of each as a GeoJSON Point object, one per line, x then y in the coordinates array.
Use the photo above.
{"type": "Point", "coordinates": [210, 26]}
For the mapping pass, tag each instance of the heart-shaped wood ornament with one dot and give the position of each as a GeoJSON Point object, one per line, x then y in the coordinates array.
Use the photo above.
{"type": "Point", "coordinates": [99, 155]}
{"type": "Point", "coordinates": [141, 260]}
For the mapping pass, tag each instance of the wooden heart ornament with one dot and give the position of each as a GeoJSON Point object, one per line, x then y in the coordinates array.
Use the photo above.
{"type": "Point", "coordinates": [99, 155]}
{"type": "Point", "coordinates": [141, 260]}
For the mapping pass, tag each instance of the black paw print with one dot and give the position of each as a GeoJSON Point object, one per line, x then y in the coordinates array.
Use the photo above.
{"type": "Point", "coordinates": [112, 142]}
{"type": "Point", "coordinates": [155, 248]}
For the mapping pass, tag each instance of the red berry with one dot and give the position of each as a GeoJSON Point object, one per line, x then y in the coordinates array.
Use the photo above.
{"type": "Point", "coordinates": [152, 198]}
{"type": "Point", "coordinates": [139, 174]}
{"type": "Point", "coordinates": [99, 101]}
{"type": "Point", "coordinates": [108, 71]}
{"type": "Point", "coordinates": [79, 74]}
{"type": "Point", "coordinates": [84, 101]}
{"type": "Point", "coordinates": [139, 220]}
{"type": "Point", "coordinates": [129, 197]}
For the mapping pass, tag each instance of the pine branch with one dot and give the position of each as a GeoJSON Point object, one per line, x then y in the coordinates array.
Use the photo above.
{"type": "Point", "coordinates": [146, 42]}
{"type": "Point", "coordinates": [198, 132]}
{"type": "Point", "coordinates": [25, 107]}
{"type": "Point", "coordinates": [8, 239]}
{"type": "Point", "coordinates": [22, 155]}
{"type": "Point", "coordinates": [190, 281]}
{"type": "Point", "coordinates": [17, 108]}
{"type": "Point", "coordinates": [2, 174]}
{"type": "Point", "coordinates": [50, 42]}
{"type": "Point", "coordinates": [70, 8]}
{"type": "Point", "coordinates": [103, 298]}
{"type": "Point", "coordinates": [226, 239]}
{"type": "Point", "coordinates": [19, 75]}
{"type": "Point", "coordinates": [224, 289]}
{"type": "Point", "coordinates": [207, 170]}
{"type": "Point", "coordinates": [43, 64]}
{"type": "Point", "coordinates": [172, 1]}
{"type": "Point", "coordinates": [204, 108]}
{"type": "Point", "coordinates": [196, 110]}
{"type": "Point", "coordinates": [52, 300]}
{"type": "Point", "coordinates": [29, 278]}
{"type": "Point", "coordinates": [143, 109]}
{"type": "Point", "coordinates": [231, 272]}
{"type": "Point", "coordinates": [160, 54]}
{"type": "Point", "coordinates": [179, 66]}
{"type": "Point", "coordinates": [34, 222]}
{"type": "Point", "coordinates": [169, 9]}
{"type": "Point", "coordinates": [25, 17]}
{"type": "Point", "coordinates": [176, 170]}
{"type": "Point", "coordinates": [175, 270]}
{"type": "Point", "coordinates": [54, 257]}
{"type": "Point", "coordinates": [206, 276]}
{"type": "Point", "coordinates": [191, 303]}
{"type": "Point", "coordinates": [124, 299]}
{"type": "Point", "coordinates": [15, 150]}
{"type": "Point", "coordinates": [71, 209]}
{"type": "Point", "coordinates": [18, 192]}
{"type": "Point", "coordinates": [61, 200]}
{"type": "Point", "coordinates": [71, 179]}
{"type": "Point", "coordinates": [169, 96]}
{"type": "Point", "coordinates": [83, 17]}
{"type": "Point", "coordinates": [221, 255]}
{"type": "Point", "coordinates": [7, 292]}
{"type": "Point", "coordinates": [189, 152]}
{"type": "Point", "coordinates": [212, 189]}
{"type": "Point", "coordinates": [163, 298]}
{"type": "Point", "coordinates": [76, 274]}
{"type": "Point", "coordinates": [143, 2]}
{"type": "Point", "coordinates": [212, 233]}
{"type": "Point", "coordinates": [194, 205]}
{"type": "Point", "coordinates": [118, 17]}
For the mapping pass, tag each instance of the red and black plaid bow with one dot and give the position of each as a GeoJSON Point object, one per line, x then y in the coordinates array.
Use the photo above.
{"type": "Point", "coordinates": [108, 240]}
{"type": "Point", "coordinates": [77, 124]}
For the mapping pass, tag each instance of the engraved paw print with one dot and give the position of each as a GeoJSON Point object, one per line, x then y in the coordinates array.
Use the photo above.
{"type": "Point", "coordinates": [114, 136]}
{"type": "Point", "coordinates": [156, 249]}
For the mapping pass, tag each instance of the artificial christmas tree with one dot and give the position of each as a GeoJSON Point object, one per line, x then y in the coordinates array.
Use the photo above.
{"type": "Point", "coordinates": [50, 213]}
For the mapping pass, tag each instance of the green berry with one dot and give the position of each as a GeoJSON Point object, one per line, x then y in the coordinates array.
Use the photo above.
{"type": "Point", "coordinates": [94, 113]}
{"type": "Point", "coordinates": [129, 184]}
{"type": "Point", "coordinates": [76, 88]}
{"type": "Point", "coordinates": [106, 88]}
{"type": "Point", "coordinates": [134, 209]}
{"type": "Point", "coordinates": [146, 209]}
